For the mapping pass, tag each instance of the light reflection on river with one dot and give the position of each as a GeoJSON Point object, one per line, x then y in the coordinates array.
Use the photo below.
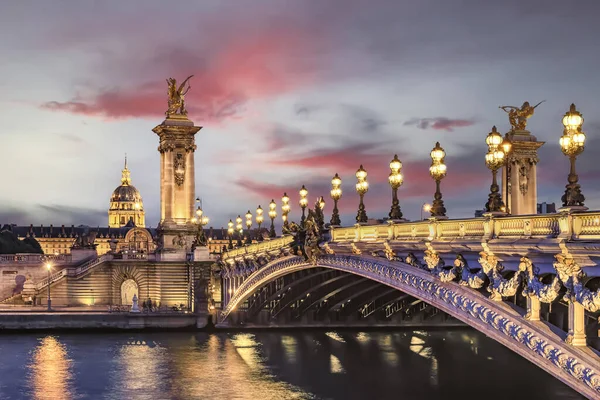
{"type": "Point", "coordinates": [268, 365]}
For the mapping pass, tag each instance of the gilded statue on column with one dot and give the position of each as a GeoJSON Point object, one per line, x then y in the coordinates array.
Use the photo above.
{"type": "Point", "coordinates": [176, 100]}
{"type": "Point", "coordinates": [518, 116]}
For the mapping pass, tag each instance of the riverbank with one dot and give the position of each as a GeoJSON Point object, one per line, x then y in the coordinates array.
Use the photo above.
{"type": "Point", "coordinates": [59, 320]}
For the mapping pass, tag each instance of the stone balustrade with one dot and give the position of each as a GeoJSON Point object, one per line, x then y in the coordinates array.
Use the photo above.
{"type": "Point", "coordinates": [273, 244]}
{"type": "Point", "coordinates": [34, 258]}
{"type": "Point", "coordinates": [569, 226]}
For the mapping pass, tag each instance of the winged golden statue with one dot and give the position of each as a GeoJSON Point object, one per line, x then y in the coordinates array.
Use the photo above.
{"type": "Point", "coordinates": [176, 100]}
{"type": "Point", "coordinates": [518, 116]}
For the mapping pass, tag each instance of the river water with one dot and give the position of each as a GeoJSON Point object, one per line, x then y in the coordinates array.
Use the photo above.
{"type": "Point", "coordinates": [317, 364]}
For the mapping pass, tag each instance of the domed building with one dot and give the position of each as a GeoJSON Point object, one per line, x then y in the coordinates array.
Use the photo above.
{"type": "Point", "coordinates": [126, 204]}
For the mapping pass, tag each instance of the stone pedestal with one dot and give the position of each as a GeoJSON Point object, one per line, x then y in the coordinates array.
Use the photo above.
{"type": "Point", "coordinates": [134, 305]}
{"type": "Point", "coordinates": [522, 188]}
{"type": "Point", "coordinates": [81, 254]}
{"type": "Point", "coordinates": [201, 253]}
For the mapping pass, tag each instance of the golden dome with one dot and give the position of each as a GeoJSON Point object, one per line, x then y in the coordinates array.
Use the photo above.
{"type": "Point", "coordinates": [126, 203]}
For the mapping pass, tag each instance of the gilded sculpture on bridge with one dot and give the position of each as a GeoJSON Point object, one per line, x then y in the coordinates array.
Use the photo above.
{"type": "Point", "coordinates": [518, 116]}
{"type": "Point", "coordinates": [546, 293]}
{"type": "Point", "coordinates": [499, 286]}
{"type": "Point", "coordinates": [176, 101]}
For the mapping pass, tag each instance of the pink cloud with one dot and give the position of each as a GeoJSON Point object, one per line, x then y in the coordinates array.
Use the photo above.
{"type": "Point", "coordinates": [272, 61]}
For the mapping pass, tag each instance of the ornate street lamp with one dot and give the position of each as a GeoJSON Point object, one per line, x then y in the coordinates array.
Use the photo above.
{"type": "Point", "coordinates": [438, 172]}
{"type": "Point", "coordinates": [425, 207]}
{"type": "Point", "coordinates": [507, 148]}
{"type": "Point", "coordinates": [395, 180]}
{"type": "Point", "coordinates": [248, 226]}
{"type": "Point", "coordinates": [572, 143]}
{"type": "Point", "coordinates": [336, 194]}
{"type": "Point", "coordinates": [272, 215]}
{"type": "Point", "coordinates": [49, 300]}
{"type": "Point", "coordinates": [285, 209]}
{"type": "Point", "coordinates": [362, 186]}
{"type": "Point", "coordinates": [494, 160]}
{"type": "Point", "coordinates": [239, 229]}
{"type": "Point", "coordinates": [259, 221]}
{"type": "Point", "coordinates": [230, 234]}
{"type": "Point", "coordinates": [200, 220]}
{"type": "Point", "coordinates": [303, 203]}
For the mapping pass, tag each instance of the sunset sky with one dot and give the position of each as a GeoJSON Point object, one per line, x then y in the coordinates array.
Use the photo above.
{"type": "Point", "coordinates": [288, 93]}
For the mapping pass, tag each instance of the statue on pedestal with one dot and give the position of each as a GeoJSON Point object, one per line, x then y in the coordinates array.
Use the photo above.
{"type": "Point", "coordinates": [518, 116]}
{"type": "Point", "coordinates": [134, 306]}
{"type": "Point", "coordinates": [176, 100]}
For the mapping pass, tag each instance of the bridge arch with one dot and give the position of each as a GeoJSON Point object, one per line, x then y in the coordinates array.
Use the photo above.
{"type": "Point", "coordinates": [534, 340]}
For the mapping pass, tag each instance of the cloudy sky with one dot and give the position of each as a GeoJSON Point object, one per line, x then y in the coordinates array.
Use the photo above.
{"type": "Point", "coordinates": [288, 93]}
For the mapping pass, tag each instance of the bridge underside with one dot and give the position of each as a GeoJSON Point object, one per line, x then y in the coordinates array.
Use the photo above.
{"type": "Point", "coordinates": [325, 297]}
{"type": "Point", "coordinates": [290, 291]}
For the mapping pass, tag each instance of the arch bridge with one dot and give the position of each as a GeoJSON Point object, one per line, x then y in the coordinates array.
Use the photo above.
{"type": "Point", "coordinates": [532, 283]}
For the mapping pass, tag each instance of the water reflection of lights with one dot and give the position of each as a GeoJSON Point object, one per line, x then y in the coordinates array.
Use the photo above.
{"type": "Point", "coordinates": [51, 370]}
{"type": "Point", "coordinates": [289, 347]}
{"type": "Point", "coordinates": [247, 347]}
{"type": "Point", "coordinates": [140, 367]}
{"type": "Point", "coordinates": [387, 350]}
{"type": "Point", "coordinates": [335, 366]}
{"type": "Point", "coordinates": [335, 336]}
{"type": "Point", "coordinates": [363, 337]}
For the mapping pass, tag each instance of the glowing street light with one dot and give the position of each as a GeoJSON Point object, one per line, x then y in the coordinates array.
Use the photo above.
{"type": "Point", "coordinates": [425, 207]}
{"type": "Point", "coordinates": [437, 170]}
{"type": "Point", "coordinates": [239, 229]}
{"type": "Point", "coordinates": [230, 234]}
{"type": "Point", "coordinates": [248, 226]}
{"type": "Point", "coordinates": [494, 159]}
{"type": "Point", "coordinates": [259, 221]}
{"type": "Point", "coordinates": [303, 203]}
{"type": "Point", "coordinates": [572, 143]}
{"type": "Point", "coordinates": [336, 194]}
{"type": "Point", "coordinates": [362, 186]}
{"type": "Point", "coordinates": [272, 215]}
{"type": "Point", "coordinates": [396, 179]}
{"type": "Point", "coordinates": [285, 208]}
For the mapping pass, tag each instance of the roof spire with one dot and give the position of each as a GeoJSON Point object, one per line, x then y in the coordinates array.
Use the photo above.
{"type": "Point", "coordinates": [125, 174]}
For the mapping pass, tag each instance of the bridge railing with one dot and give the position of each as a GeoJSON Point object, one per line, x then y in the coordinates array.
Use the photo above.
{"type": "Point", "coordinates": [570, 226]}
{"type": "Point", "coordinates": [26, 258]}
{"type": "Point", "coordinates": [260, 247]}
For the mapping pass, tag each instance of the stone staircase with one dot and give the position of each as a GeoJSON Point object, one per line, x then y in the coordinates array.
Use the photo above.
{"type": "Point", "coordinates": [16, 299]}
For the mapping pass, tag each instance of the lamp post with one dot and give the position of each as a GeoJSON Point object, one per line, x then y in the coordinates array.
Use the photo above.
{"type": "Point", "coordinates": [506, 146]}
{"type": "Point", "coordinates": [494, 160]}
{"type": "Point", "coordinates": [572, 144]}
{"type": "Point", "coordinates": [336, 194]}
{"type": "Point", "coordinates": [425, 207]}
{"type": "Point", "coordinates": [395, 180]}
{"type": "Point", "coordinates": [201, 220]}
{"type": "Point", "coordinates": [285, 209]}
{"type": "Point", "coordinates": [49, 268]}
{"type": "Point", "coordinates": [362, 186]}
{"type": "Point", "coordinates": [248, 226]}
{"type": "Point", "coordinates": [303, 203]}
{"type": "Point", "coordinates": [272, 215]}
{"type": "Point", "coordinates": [230, 234]}
{"type": "Point", "coordinates": [239, 229]}
{"type": "Point", "coordinates": [438, 172]}
{"type": "Point", "coordinates": [259, 221]}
